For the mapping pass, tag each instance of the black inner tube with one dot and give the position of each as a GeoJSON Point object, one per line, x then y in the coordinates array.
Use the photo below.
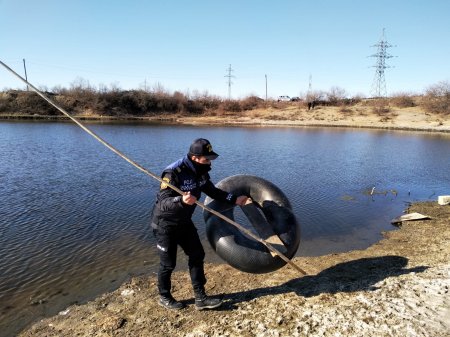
{"type": "Point", "coordinates": [236, 248]}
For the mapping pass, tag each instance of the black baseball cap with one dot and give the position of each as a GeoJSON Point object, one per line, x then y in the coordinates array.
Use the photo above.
{"type": "Point", "coordinates": [202, 147]}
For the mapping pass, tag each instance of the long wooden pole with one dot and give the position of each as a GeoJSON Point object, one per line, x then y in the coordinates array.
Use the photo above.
{"type": "Point", "coordinates": [141, 168]}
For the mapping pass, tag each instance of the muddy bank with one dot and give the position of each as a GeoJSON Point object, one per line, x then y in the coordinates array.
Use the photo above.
{"type": "Point", "coordinates": [287, 115]}
{"type": "Point", "coordinates": [397, 287]}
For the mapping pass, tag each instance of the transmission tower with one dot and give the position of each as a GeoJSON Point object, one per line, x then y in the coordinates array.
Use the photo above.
{"type": "Point", "coordinates": [379, 81]}
{"type": "Point", "coordinates": [229, 70]}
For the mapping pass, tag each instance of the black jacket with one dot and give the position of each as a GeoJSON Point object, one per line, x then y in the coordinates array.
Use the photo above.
{"type": "Point", "coordinates": [169, 210]}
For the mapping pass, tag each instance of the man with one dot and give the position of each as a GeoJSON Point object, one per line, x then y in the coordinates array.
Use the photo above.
{"type": "Point", "coordinates": [172, 224]}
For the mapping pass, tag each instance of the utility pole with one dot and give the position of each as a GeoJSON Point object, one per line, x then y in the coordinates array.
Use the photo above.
{"type": "Point", "coordinates": [310, 97]}
{"type": "Point", "coordinates": [26, 78]}
{"type": "Point", "coordinates": [310, 84]}
{"type": "Point", "coordinates": [379, 81]}
{"type": "Point", "coordinates": [266, 88]}
{"type": "Point", "coordinates": [309, 94]}
{"type": "Point", "coordinates": [229, 70]}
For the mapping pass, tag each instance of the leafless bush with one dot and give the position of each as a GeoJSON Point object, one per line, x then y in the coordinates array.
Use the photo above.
{"type": "Point", "coordinates": [251, 102]}
{"type": "Point", "coordinates": [81, 87]}
{"type": "Point", "coordinates": [402, 100]}
{"type": "Point", "coordinates": [314, 95]}
{"type": "Point", "coordinates": [159, 90]}
{"type": "Point", "coordinates": [130, 102]}
{"type": "Point", "coordinates": [167, 103]}
{"type": "Point", "coordinates": [195, 107]}
{"type": "Point", "coordinates": [345, 110]}
{"type": "Point", "coordinates": [180, 100]}
{"type": "Point", "coordinates": [380, 106]}
{"type": "Point", "coordinates": [437, 98]}
{"type": "Point", "coordinates": [335, 96]}
{"type": "Point", "coordinates": [8, 102]}
{"type": "Point", "coordinates": [31, 103]}
{"type": "Point", "coordinates": [231, 106]}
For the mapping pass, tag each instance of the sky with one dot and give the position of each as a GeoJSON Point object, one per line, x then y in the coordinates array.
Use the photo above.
{"type": "Point", "coordinates": [282, 47]}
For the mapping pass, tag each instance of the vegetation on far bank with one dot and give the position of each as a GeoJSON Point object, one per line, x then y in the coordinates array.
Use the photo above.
{"type": "Point", "coordinates": [81, 99]}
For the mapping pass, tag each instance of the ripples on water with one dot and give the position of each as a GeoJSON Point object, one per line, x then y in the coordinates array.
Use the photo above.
{"type": "Point", "coordinates": [74, 216]}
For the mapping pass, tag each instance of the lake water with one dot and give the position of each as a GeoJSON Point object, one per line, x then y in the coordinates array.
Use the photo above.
{"type": "Point", "coordinates": [74, 216]}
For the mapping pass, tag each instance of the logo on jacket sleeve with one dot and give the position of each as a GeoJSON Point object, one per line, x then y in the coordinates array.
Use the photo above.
{"type": "Point", "coordinates": [164, 185]}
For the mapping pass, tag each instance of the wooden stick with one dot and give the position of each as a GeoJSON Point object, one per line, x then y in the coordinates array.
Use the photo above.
{"type": "Point", "coordinates": [141, 168]}
{"type": "Point", "coordinates": [262, 226]}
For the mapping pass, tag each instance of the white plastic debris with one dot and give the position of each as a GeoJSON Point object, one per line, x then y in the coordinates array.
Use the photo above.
{"type": "Point", "coordinates": [410, 217]}
{"type": "Point", "coordinates": [444, 200]}
{"type": "Point", "coordinates": [127, 292]}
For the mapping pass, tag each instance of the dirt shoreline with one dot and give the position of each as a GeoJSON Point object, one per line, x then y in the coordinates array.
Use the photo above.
{"type": "Point", "coordinates": [397, 287]}
{"type": "Point", "coordinates": [402, 119]}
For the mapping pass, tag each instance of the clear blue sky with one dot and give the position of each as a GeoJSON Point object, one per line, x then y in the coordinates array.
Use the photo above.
{"type": "Point", "coordinates": [188, 45]}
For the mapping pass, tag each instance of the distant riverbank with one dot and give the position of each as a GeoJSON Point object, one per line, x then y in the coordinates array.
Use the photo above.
{"type": "Point", "coordinates": [408, 119]}
{"type": "Point", "coordinates": [412, 113]}
{"type": "Point", "coordinates": [290, 115]}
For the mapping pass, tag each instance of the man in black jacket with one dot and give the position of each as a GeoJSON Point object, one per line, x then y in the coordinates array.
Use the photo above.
{"type": "Point", "coordinates": [172, 224]}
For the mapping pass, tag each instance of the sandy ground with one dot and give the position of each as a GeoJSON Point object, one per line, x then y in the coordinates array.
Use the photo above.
{"type": "Point", "coordinates": [290, 114]}
{"type": "Point", "coordinates": [359, 116]}
{"type": "Point", "coordinates": [397, 287]}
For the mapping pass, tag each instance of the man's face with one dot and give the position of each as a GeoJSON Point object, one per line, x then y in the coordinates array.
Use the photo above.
{"type": "Point", "coordinates": [201, 160]}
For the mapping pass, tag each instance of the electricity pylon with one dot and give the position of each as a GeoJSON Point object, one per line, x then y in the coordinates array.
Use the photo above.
{"type": "Point", "coordinates": [379, 81]}
{"type": "Point", "coordinates": [229, 70]}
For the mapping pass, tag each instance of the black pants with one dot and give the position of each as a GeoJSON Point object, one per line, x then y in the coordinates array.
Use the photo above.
{"type": "Point", "coordinates": [168, 238]}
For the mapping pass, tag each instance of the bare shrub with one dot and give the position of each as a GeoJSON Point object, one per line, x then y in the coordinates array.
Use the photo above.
{"type": "Point", "coordinates": [231, 106]}
{"type": "Point", "coordinates": [379, 106]}
{"type": "Point", "coordinates": [106, 102]}
{"type": "Point", "coordinates": [8, 102]}
{"type": "Point", "coordinates": [129, 103]}
{"type": "Point", "coordinates": [81, 87]}
{"type": "Point", "coordinates": [437, 98]}
{"type": "Point", "coordinates": [159, 90]}
{"type": "Point", "coordinates": [58, 89]}
{"type": "Point", "coordinates": [180, 100]}
{"type": "Point", "coordinates": [402, 100]}
{"type": "Point", "coordinates": [32, 103]}
{"type": "Point", "coordinates": [80, 96]}
{"type": "Point", "coordinates": [208, 101]}
{"type": "Point", "coordinates": [166, 103]}
{"type": "Point", "coordinates": [314, 96]}
{"type": "Point", "coordinates": [194, 107]}
{"type": "Point", "coordinates": [345, 110]}
{"type": "Point", "coordinates": [251, 102]}
{"type": "Point", "coordinates": [351, 101]}
{"type": "Point", "coordinates": [335, 96]}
